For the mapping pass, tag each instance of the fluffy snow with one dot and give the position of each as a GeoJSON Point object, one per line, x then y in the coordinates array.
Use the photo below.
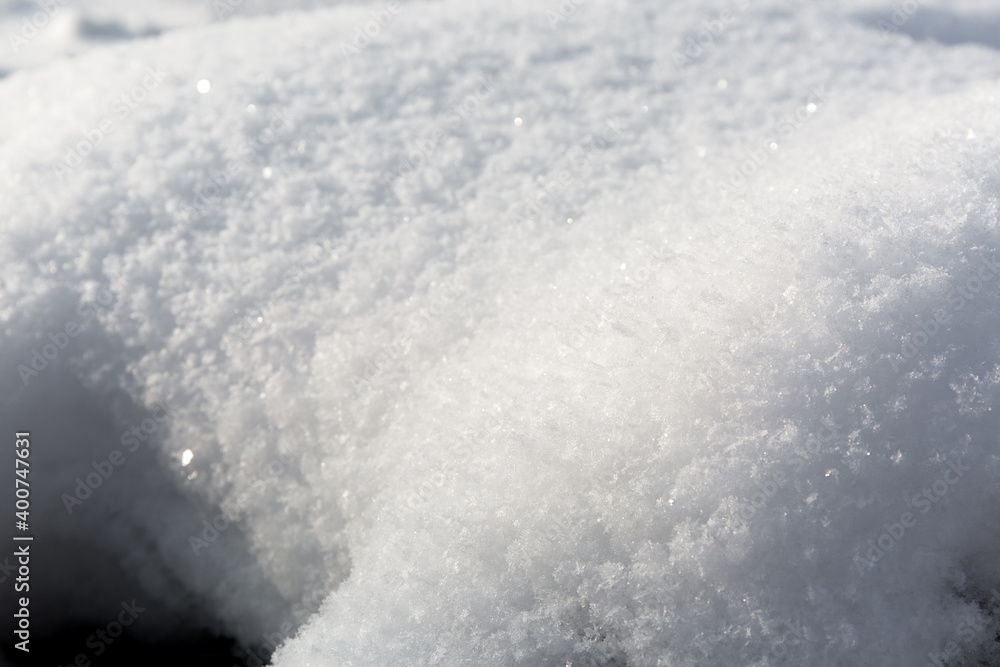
{"type": "Point", "coordinates": [523, 334]}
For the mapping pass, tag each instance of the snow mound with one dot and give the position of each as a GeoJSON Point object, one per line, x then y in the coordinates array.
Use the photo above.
{"type": "Point", "coordinates": [602, 333]}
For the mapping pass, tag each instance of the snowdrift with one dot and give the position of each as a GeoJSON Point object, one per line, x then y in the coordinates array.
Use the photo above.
{"type": "Point", "coordinates": [595, 334]}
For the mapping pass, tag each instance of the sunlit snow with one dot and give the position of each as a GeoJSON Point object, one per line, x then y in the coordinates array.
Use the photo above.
{"type": "Point", "coordinates": [526, 333]}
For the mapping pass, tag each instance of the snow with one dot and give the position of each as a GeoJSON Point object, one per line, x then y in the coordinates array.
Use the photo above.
{"type": "Point", "coordinates": [517, 337]}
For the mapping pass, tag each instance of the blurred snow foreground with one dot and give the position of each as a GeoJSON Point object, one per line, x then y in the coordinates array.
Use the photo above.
{"type": "Point", "coordinates": [591, 333]}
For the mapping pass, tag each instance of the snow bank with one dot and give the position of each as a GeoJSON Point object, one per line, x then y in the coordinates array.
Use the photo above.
{"type": "Point", "coordinates": [605, 334]}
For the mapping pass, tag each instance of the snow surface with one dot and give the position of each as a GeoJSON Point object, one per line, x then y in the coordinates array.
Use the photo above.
{"type": "Point", "coordinates": [658, 415]}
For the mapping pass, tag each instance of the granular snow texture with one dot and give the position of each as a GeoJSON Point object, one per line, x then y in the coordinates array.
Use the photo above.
{"type": "Point", "coordinates": [599, 333]}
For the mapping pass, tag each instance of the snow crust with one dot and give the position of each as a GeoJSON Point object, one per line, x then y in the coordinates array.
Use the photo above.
{"type": "Point", "coordinates": [481, 335]}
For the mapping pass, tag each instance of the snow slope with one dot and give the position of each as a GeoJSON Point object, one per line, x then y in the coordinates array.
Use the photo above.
{"type": "Point", "coordinates": [522, 337]}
